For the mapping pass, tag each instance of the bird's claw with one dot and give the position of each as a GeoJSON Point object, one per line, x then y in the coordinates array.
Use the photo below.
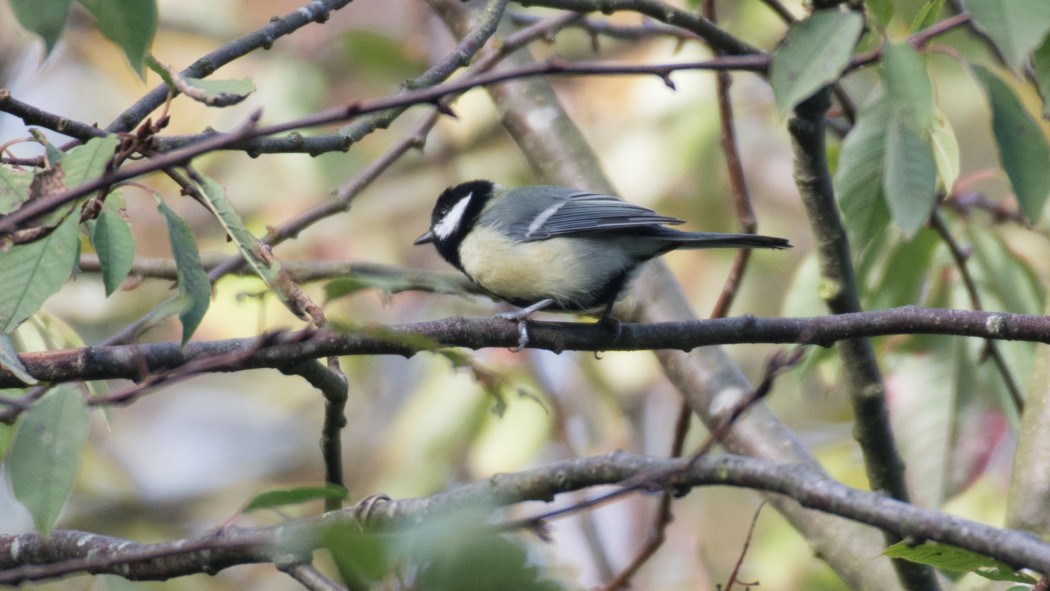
{"type": "Point", "coordinates": [521, 317]}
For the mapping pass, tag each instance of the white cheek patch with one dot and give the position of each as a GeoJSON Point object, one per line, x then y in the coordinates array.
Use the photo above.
{"type": "Point", "coordinates": [449, 223]}
{"type": "Point", "coordinates": [542, 218]}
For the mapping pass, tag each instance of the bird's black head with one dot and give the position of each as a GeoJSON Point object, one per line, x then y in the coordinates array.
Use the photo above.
{"type": "Point", "coordinates": [455, 213]}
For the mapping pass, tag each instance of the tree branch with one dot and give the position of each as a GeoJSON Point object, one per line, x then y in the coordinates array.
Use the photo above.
{"type": "Point", "coordinates": [872, 430]}
{"type": "Point", "coordinates": [28, 557]}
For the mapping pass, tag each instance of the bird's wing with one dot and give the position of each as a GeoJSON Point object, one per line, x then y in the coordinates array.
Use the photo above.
{"type": "Point", "coordinates": [577, 213]}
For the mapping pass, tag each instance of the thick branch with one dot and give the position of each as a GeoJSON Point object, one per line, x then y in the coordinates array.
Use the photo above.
{"type": "Point", "coordinates": [872, 429]}
{"type": "Point", "coordinates": [29, 557]}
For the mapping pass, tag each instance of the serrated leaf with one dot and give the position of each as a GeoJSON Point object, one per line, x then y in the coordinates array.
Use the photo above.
{"type": "Point", "coordinates": [34, 271]}
{"type": "Point", "coordinates": [1015, 26]}
{"type": "Point", "coordinates": [44, 455]}
{"type": "Point", "coordinates": [46, 18]}
{"type": "Point", "coordinates": [1023, 150]}
{"type": "Point", "coordinates": [273, 499]}
{"type": "Point", "coordinates": [858, 178]}
{"type": "Point", "coordinates": [957, 559]}
{"type": "Point", "coordinates": [193, 284]}
{"type": "Point", "coordinates": [1041, 70]}
{"type": "Point", "coordinates": [112, 238]}
{"type": "Point", "coordinates": [909, 178]}
{"type": "Point", "coordinates": [10, 363]}
{"type": "Point", "coordinates": [927, 15]}
{"type": "Point", "coordinates": [908, 85]}
{"type": "Point", "coordinates": [813, 54]}
{"type": "Point", "coordinates": [945, 149]}
{"type": "Point", "coordinates": [131, 25]}
{"type": "Point", "coordinates": [14, 188]}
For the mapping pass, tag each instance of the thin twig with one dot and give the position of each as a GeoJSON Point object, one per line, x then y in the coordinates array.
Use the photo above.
{"type": "Point", "coordinates": [743, 550]}
{"type": "Point", "coordinates": [991, 348]}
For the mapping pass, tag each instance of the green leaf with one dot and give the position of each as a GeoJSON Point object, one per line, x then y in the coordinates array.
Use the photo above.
{"type": "Point", "coordinates": [360, 557]}
{"type": "Point", "coordinates": [882, 10]}
{"type": "Point", "coordinates": [221, 93]}
{"type": "Point", "coordinates": [88, 161]}
{"type": "Point", "coordinates": [194, 287]}
{"type": "Point", "coordinates": [255, 252]}
{"type": "Point", "coordinates": [908, 85]}
{"type": "Point", "coordinates": [14, 188]}
{"type": "Point", "coordinates": [130, 24]}
{"type": "Point", "coordinates": [44, 455]}
{"type": "Point", "coordinates": [813, 54]}
{"type": "Point", "coordinates": [217, 93]}
{"type": "Point", "coordinates": [10, 363]}
{"type": "Point", "coordinates": [273, 499]}
{"type": "Point", "coordinates": [927, 15]}
{"type": "Point", "coordinates": [46, 18]}
{"type": "Point", "coordinates": [34, 271]}
{"type": "Point", "coordinates": [1016, 27]}
{"type": "Point", "coordinates": [904, 276]}
{"type": "Point", "coordinates": [909, 177]}
{"type": "Point", "coordinates": [1023, 150]}
{"type": "Point", "coordinates": [957, 559]}
{"type": "Point", "coordinates": [858, 178]}
{"type": "Point", "coordinates": [945, 149]}
{"type": "Point", "coordinates": [112, 239]}
{"type": "Point", "coordinates": [1041, 70]}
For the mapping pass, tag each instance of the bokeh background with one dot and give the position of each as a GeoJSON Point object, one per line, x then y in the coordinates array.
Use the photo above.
{"type": "Point", "coordinates": [185, 458]}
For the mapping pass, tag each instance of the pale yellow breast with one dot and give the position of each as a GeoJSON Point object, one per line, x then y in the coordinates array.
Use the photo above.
{"type": "Point", "coordinates": [520, 270]}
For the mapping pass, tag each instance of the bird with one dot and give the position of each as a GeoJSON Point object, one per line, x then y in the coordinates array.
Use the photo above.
{"type": "Point", "coordinates": [551, 248]}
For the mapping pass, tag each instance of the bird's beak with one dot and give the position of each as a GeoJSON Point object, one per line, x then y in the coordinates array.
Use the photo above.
{"type": "Point", "coordinates": [427, 236]}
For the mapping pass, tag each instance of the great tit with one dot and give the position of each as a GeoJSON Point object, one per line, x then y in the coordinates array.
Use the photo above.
{"type": "Point", "coordinates": [556, 248]}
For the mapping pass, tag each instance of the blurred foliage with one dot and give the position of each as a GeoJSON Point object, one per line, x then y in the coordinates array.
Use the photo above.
{"type": "Point", "coordinates": [184, 458]}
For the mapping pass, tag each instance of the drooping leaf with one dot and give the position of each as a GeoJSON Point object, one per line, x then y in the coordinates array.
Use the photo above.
{"type": "Point", "coordinates": [193, 284]}
{"type": "Point", "coordinates": [273, 499]}
{"type": "Point", "coordinates": [945, 149]}
{"type": "Point", "coordinates": [813, 54]}
{"type": "Point", "coordinates": [255, 252]}
{"type": "Point", "coordinates": [44, 455]}
{"type": "Point", "coordinates": [909, 177]}
{"type": "Point", "coordinates": [211, 92]}
{"type": "Point", "coordinates": [1041, 70]}
{"type": "Point", "coordinates": [112, 239]}
{"type": "Point", "coordinates": [1015, 26]}
{"type": "Point", "coordinates": [46, 18]}
{"type": "Point", "coordinates": [34, 271]}
{"type": "Point", "coordinates": [10, 363]}
{"type": "Point", "coordinates": [1023, 149]}
{"type": "Point", "coordinates": [131, 25]}
{"type": "Point", "coordinates": [908, 85]}
{"type": "Point", "coordinates": [14, 188]}
{"type": "Point", "coordinates": [957, 559]}
{"type": "Point", "coordinates": [858, 178]}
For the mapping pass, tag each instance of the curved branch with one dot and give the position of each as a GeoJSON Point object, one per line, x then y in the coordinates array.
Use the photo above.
{"type": "Point", "coordinates": [28, 557]}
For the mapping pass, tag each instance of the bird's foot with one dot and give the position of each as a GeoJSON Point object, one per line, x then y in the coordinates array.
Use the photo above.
{"type": "Point", "coordinates": [521, 317]}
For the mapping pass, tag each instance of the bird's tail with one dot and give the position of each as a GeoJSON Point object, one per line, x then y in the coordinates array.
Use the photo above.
{"type": "Point", "coordinates": [693, 240]}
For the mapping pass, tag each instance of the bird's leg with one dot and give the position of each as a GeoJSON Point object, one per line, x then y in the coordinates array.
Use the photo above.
{"type": "Point", "coordinates": [521, 316]}
{"type": "Point", "coordinates": [610, 321]}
